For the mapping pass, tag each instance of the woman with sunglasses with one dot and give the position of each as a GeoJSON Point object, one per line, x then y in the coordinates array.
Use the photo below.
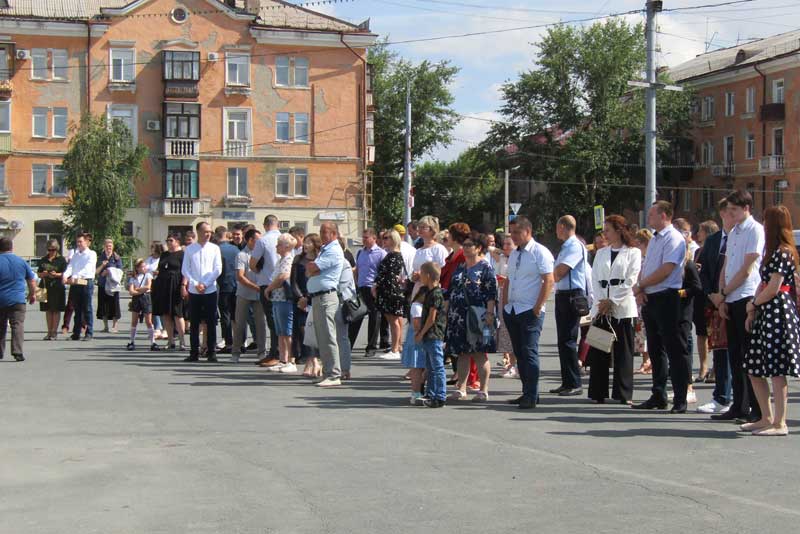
{"type": "Point", "coordinates": [51, 267]}
{"type": "Point", "coordinates": [167, 299]}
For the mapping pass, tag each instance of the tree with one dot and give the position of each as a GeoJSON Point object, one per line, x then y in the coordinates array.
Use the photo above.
{"type": "Point", "coordinates": [102, 166]}
{"type": "Point", "coordinates": [432, 119]}
{"type": "Point", "coordinates": [575, 123]}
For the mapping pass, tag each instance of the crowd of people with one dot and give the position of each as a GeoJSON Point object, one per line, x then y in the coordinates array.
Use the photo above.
{"type": "Point", "coordinates": [433, 296]}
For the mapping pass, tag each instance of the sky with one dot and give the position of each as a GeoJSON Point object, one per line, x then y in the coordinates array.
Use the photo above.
{"type": "Point", "coordinates": [486, 62]}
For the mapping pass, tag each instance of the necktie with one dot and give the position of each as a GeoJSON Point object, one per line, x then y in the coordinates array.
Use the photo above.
{"type": "Point", "coordinates": [722, 253]}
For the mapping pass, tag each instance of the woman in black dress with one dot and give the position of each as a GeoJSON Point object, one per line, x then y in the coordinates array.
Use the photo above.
{"type": "Point", "coordinates": [51, 267]}
{"type": "Point", "coordinates": [389, 287]}
{"type": "Point", "coordinates": [298, 280]}
{"type": "Point", "coordinates": [166, 291]}
{"type": "Point", "coordinates": [772, 319]}
{"type": "Point", "coordinates": [107, 305]}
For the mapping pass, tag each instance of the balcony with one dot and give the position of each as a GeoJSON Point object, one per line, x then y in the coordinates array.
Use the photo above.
{"type": "Point", "coordinates": [183, 89]}
{"type": "Point", "coordinates": [237, 201]}
{"type": "Point", "coordinates": [726, 169]}
{"type": "Point", "coordinates": [180, 207]}
{"type": "Point", "coordinates": [182, 148]}
{"type": "Point", "coordinates": [5, 196]}
{"type": "Point", "coordinates": [237, 149]}
{"type": "Point", "coordinates": [237, 89]}
{"type": "Point", "coordinates": [123, 86]}
{"type": "Point", "coordinates": [770, 165]}
{"type": "Point", "coordinates": [773, 112]}
{"type": "Point", "coordinates": [6, 88]}
{"type": "Point", "coordinates": [5, 143]}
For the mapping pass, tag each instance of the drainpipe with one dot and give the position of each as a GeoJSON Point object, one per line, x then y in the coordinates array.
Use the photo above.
{"type": "Point", "coordinates": [88, 66]}
{"type": "Point", "coordinates": [763, 136]}
{"type": "Point", "coordinates": [362, 141]}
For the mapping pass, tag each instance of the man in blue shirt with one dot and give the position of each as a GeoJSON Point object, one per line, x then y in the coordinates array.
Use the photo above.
{"type": "Point", "coordinates": [227, 287]}
{"type": "Point", "coordinates": [324, 274]}
{"type": "Point", "coordinates": [14, 274]}
{"type": "Point", "coordinates": [570, 277]}
{"type": "Point", "coordinates": [367, 261]}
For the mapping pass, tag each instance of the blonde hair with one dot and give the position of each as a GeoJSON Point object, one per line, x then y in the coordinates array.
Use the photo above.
{"type": "Point", "coordinates": [431, 269]}
{"type": "Point", "coordinates": [431, 222]}
{"type": "Point", "coordinates": [288, 240]}
{"type": "Point", "coordinates": [394, 237]}
{"type": "Point", "coordinates": [644, 236]}
{"type": "Point", "coordinates": [137, 263]}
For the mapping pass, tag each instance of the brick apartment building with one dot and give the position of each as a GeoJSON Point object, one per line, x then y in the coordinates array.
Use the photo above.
{"type": "Point", "coordinates": [747, 126]}
{"type": "Point", "coordinates": [248, 107]}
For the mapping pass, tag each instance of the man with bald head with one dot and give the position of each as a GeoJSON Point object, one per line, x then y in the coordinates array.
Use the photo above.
{"type": "Point", "coordinates": [570, 277]}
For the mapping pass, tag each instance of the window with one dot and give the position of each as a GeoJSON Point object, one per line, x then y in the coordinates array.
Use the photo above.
{"type": "Point", "coordinates": [39, 59]}
{"type": "Point", "coordinates": [59, 122]}
{"type": "Point", "coordinates": [750, 106]}
{"type": "Point", "coordinates": [181, 179]}
{"type": "Point", "coordinates": [707, 156]}
{"type": "Point", "coordinates": [687, 200]}
{"type": "Point", "coordinates": [300, 182]}
{"type": "Point", "coordinates": [182, 121]}
{"type": "Point", "coordinates": [286, 178]}
{"type": "Point", "coordinates": [39, 176]}
{"type": "Point", "coordinates": [43, 232]}
{"type": "Point", "coordinates": [181, 65]}
{"type": "Point", "coordinates": [60, 67]}
{"type": "Point", "coordinates": [777, 92]}
{"type": "Point", "coordinates": [282, 182]}
{"type": "Point", "coordinates": [728, 153]}
{"type": "Point", "coordinates": [291, 71]}
{"type": "Point", "coordinates": [40, 122]}
{"type": "Point", "coordinates": [5, 62]}
{"type": "Point", "coordinates": [708, 198]}
{"type": "Point", "coordinates": [301, 127]}
{"type": "Point", "coordinates": [238, 125]}
{"type": "Point", "coordinates": [5, 116]}
{"type": "Point", "coordinates": [282, 127]}
{"type": "Point", "coordinates": [122, 60]}
{"type": "Point", "coordinates": [238, 69]}
{"type": "Point", "coordinates": [750, 153]}
{"type": "Point", "coordinates": [778, 192]}
{"type": "Point", "coordinates": [3, 178]}
{"type": "Point", "coordinates": [237, 182]}
{"type": "Point", "coordinates": [284, 226]}
{"type": "Point", "coordinates": [707, 109]}
{"type": "Point", "coordinates": [127, 228]}
{"type": "Point", "coordinates": [730, 101]}
{"type": "Point", "coordinates": [127, 116]}
{"type": "Point", "coordinates": [59, 180]}
{"type": "Point", "coordinates": [777, 141]}
{"type": "Point", "coordinates": [237, 132]}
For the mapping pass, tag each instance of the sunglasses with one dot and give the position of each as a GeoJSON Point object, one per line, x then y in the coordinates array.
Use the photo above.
{"type": "Point", "coordinates": [52, 250]}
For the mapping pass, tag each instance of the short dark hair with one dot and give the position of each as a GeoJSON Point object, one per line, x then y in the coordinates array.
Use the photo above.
{"type": "Point", "coordinates": [6, 245]}
{"type": "Point", "coordinates": [370, 232]}
{"type": "Point", "coordinates": [270, 221]}
{"type": "Point", "coordinates": [294, 230]}
{"type": "Point", "coordinates": [740, 198]}
{"type": "Point", "coordinates": [459, 232]}
{"type": "Point", "coordinates": [664, 207]}
{"type": "Point", "coordinates": [199, 225]}
{"type": "Point", "coordinates": [523, 222]}
{"type": "Point", "coordinates": [722, 204]}
{"type": "Point", "coordinates": [478, 240]}
{"type": "Point", "coordinates": [86, 235]}
{"type": "Point", "coordinates": [219, 232]}
{"type": "Point", "coordinates": [250, 233]}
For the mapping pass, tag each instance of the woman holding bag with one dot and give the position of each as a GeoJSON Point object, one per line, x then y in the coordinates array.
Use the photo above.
{"type": "Point", "coordinates": [388, 290]}
{"type": "Point", "coordinates": [614, 273]}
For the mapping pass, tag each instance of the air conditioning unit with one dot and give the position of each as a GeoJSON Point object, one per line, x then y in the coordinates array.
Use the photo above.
{"type": "Point", "coordinates": [153, 126]}
{"type": "Point", "coordinates": [16, 225]}
{"type": "Point", "coordinates": [213, 56]}
{"type": "Point", "coordinates": [23, 55]}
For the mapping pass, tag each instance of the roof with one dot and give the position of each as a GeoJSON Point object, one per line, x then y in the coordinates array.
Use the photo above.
{"type": "Point", "coordinates": [274, 13]}
{"type": "Point", "coordinates": [735, 57]}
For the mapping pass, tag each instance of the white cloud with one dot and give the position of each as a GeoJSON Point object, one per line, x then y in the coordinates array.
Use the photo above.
{"type": "Point", "coordinates": [467, 133]}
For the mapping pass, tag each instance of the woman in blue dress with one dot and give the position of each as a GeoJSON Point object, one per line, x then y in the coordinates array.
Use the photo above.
{"type": "Point", "coordinates": [471, 319]}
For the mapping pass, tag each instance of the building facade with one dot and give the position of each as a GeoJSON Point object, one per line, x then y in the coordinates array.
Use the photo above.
{"type": "Point", "coordinates": [248, 107]}
{"type": "Point", "coordinates": [747, 126]}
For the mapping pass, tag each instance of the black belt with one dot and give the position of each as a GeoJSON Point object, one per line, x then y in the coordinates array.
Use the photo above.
{"type": "Point", "coordinates": [318, 293]}
{"type": "Point", "coordinates": [568, 291]}
{"type": "Point", "coordinates": [613, 282]}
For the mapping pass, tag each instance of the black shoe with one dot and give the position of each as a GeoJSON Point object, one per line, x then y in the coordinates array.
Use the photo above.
{"type": "Point", "coordinates": [87, 337]}
{"type": "Point", "coordinates": [19, 357]}
{"type": "Point", "coordinates": [678, 408]}
{"type": "Point", "coordinates": [73, 337]}
{"type": "Point", "coordinates": [192, 358]}
{"type": "Point", "coordinates": [517, 400]}
{"type": "Point", "coordinates": [452, 382]}
{"type": "Point", "coordinates": [252, 346]}
{"type": "Point", "coordinates": [570, 392]}
{"type": "Point", "coordinates": [130, 346]}
{"type": "Point", "coordinates": [225, 350]}
{"type": "Point", "coordinates": [154, 348]}
{"type": "Point", "coordinates": [752, 418]}
{"type": "Point", "coordinates": [650, 404]}
{"type": "Point", "coordinates": [526, 404]}
{"type": "Point", "coordinates": [558, 390]}
{"type": "Point", "coordinates": [212, 357]}
{"type": "Point", "coordinates": [433, 403]}
{"type": "Point", "coordinates": [730, 415]}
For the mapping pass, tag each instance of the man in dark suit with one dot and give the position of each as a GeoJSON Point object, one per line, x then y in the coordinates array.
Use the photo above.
{"type": "Point", "coordinates": [711, 259]}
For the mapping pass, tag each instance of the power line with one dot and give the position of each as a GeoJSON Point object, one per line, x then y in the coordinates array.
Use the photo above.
{"type": "Point", "coordinates": [446, 12]}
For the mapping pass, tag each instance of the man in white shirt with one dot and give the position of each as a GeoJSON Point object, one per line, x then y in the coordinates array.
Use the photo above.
{"type": "Point", "coordinates": [530, 282]}
{"type": "Point", "coordinates": [202, 265]}
{"type": "Point", "coordinates": [407, 250]}
{"type": "Point", "coordinates": [79, 274]}
{"type": "Point", "coordinates": [738, 283]}
{"type": "Point", "coordinates": [262, 262]}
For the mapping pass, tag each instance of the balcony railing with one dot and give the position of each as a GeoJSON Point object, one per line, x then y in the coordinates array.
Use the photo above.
{"type": "Point", "coordinates": [773, 112]}
{"type": "Point", "coordinates": [726, 169]}
{"type": "Point", "coordinates": [5, 143]}
{"type": "Point", "coordinates": [770, 165]}
{"type": "Point", "coordinates": [182, 148]}
{"type": "Point", "coordinates": [237, 149]}
{"type": "Point", "coordinates": [180, 207]}
{"type": "Point", "coordinates": [6, 87]}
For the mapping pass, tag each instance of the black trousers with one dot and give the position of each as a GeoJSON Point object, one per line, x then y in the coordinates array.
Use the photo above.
{"type": "Point", "coordinates": [744, 400]}
{"type": "Point", "coordinates": [376, 324]}
{"type": "Point", "coordinates": [273, 334]}
{"type": "Point", "coordinates": [299, 350]}
{"type": "Point", "coordinates": [203, 308]}
{"type": "Point", "coordinates": [567, 330]}
{"type": "Point", "coordinates": [227, 311]}
{"type": "Point", "coordinates": [622, 358]}
{"type": "Point", "coordinates": [667, 343]}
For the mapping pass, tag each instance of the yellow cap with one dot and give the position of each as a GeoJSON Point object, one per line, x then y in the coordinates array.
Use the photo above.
{"type": "Point", "coordinates": [400, 229]}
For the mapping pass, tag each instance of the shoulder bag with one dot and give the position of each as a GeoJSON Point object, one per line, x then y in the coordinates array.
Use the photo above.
{"type": "Point", "coordinates": [580, 303]}
{"type": "Point", "coordinates": [601, 335]}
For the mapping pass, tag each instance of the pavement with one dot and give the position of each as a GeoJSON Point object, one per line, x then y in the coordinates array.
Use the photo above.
{"type": "Point", "coordinates": [97, 439]}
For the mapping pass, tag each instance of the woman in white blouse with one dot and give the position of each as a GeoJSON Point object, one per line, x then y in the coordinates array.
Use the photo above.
{"type": "Point", "coordinates": [614, 273]}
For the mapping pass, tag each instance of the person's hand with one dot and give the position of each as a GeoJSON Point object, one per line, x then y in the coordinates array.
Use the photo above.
{"type": "Point", "coordinates": [490, 319]}
{"type": "Point", "coordinates": [537, 311]}
{"type": "Point", "coordinates": [302, 303]}
{"type": "Point", "coordinates": [32, 298]}
{"type": "Point", "coordinates": [418, 338]}
{"type": "Point", "coordinates": [201, 288]}
{"type": "Point", "coordinates": [267, 293]}
{"type": "Point", "coordinates": [641, 299]}
{"type": "Point", "coordinates": [723, 311]}
{"type": "Point", "coordinates": [751, 308]}
{"type": "Point", "coordinates": [184, 292]}
{"type": "Point", "coordinates": [374, 292]}
{"type": "Point", "coordinates": [637, 290]}
{"type": "Point", "coordinates": [415, 277]}
{"type": "Point", "coordinates": [604, 307]}
{"type": "Point", "coordinates": [716, 299]}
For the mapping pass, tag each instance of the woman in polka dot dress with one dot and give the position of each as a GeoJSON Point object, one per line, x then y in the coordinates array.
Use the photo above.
{"type": "Point", "coordinates": [773, 321]}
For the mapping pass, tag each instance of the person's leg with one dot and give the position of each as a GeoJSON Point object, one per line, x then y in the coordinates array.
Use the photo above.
{"type": "Point", "coordinates": [239, 327]}
{"type": "Point", "coordinates": [722, 377]}
{"type": "Point", "coordinates": [598, 373]}
{"type": "Point", "coordinates": [88, 308]}
{"type": "Point", "coordinates": [780, 392]}
{"type": "Point", "coordinates": [761, 390]}
{"type": "Point", "coordinates": [373, 318]}
{"type": "Point", "coordinates": [4, 313]}
{"type": "Point", "coordinates": [298, 332]}
{"type": "Point", "coordinates": [434, 351]}
{"type": "Point", "coordinates": [227, 306]}
{"type": "Point", "coordinates": [513, 326]}
{"type": "Point", "coordinates": [151, 332]}
{"type": "Point", "coordinates": [702, 354]}
{"type": "Point", "coordinates": [251, 322]}
{"type": "Point", "coordinates": [484, 370]}
{"type": "Point", "coordinates": [169, 329]}
{"type": "Point", "coordinates": [210, 312]}
{"type": "Point", "coordinates": [396, 330]}
{"type": "Point", "coordinates": [134, 325]}
{"type": "Point", "coordinates": [180, 327]}
{"type": "Point", "coordinates": [531, 330]}
{"type": "Point", "coordinates": [260, 322]}
{"type": "Point", "coordinates": [568, 329]}
{"type": "Point", "coordinates": [78, 301]}
{"type": "Point", "coordinates": [676, 336]}
{"type": "Point", "coordinates": [343, 338]}
{"type": "Point", "coordinates": [354, 328]}
{"type": "Point", "coordinates": [652, 313]}
{"type": "Point", "coordinates": [743, 395]}
{"type": "Point", "coordinates": [70, 309]}
{"type": "Point", "coordinates": [324, 310]}
{"type": "Point", "coordinates": [384, 329]}
{"type": "Point", "coordinates": [195, 318]}
{"type": "Point", "coordinates": [462, 369]}
{"type": "Point", "coordinates": [17, 320]}
{"type": "Point", "coordinates": [623, 359]}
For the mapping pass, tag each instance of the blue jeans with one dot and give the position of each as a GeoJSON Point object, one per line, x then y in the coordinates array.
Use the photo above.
{"type": "Point", "coordinates": [282, 316]}
{"type": "Point", "coordinates": [722, 377]}
{"type": "Point", "coordinates": [436, 387]}
{"type": "Point", "coordinates": [81, 298]}
{"type": "Point", "coordinates": [524, 330]}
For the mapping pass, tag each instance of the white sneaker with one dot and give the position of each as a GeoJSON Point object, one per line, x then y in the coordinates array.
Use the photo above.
{"type": "Point", "coordinates": [275, 368]}
{"type": "Point", "coordinates": [220, 344]}
{"type": "Point", "coordinates": [329, 382]}
{"type": "Point", "coordinates": [511, 373]}
{"type": "Point", "coordinates": [691, 398]}
{"type": "Point", "coordinates": [392, 356]}
{"type": "Point", "coordinates": [713, 407]}
{"type": "Point", "coordinates": [288, 368]}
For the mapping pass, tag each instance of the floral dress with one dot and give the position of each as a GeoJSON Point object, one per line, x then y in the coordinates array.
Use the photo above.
{"type": "Point", "coordinates": [389, 287]}
{"type": "Point", "coordinates": [469, 286]}
{"type": "Point", "coordinates": [775, 343]}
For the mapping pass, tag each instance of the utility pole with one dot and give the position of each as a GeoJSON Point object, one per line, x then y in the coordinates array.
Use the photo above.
{"type": "Point", "coordinates": [407, 163]}
{"type": "Point", "coordinates": [653, 7]}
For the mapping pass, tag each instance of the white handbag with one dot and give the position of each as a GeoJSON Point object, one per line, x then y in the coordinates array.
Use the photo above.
{"type": "Point", "coordinates": [310, 338]}
{"type": "Point", "coordinates": [600, 338]}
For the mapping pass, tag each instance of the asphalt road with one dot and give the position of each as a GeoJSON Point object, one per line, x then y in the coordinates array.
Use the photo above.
{"type": "Point", "coordinates": [97, 439]}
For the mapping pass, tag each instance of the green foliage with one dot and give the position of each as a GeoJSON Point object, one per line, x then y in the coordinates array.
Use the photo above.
{"type": "Point", "coordinates": [102, 166]}
{"type": "Point", "coordinates": [432, 119]}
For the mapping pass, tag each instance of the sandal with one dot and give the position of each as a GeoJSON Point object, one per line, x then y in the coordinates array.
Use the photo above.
{"type": "Point", "coordinates": [457, 395]}
{"type": "Point", "coordinates": [480, 397]}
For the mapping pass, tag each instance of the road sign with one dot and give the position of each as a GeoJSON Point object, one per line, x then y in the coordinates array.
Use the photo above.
{"type": "Point", "coordinates": [599, 217]}
{"type": "Point", "coordinates": [515, 206]}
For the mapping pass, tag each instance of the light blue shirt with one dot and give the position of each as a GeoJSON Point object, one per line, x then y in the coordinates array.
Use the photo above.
{"type": "Point", "coordinates": [666, 246]}
{"type": "Point", "coordinates": [526, 266]}
{"type": "Point", "coordinates": [330, 262]}
{"type": "Point", "coordinates": [573, 255]}
{"type": "Point", "coordinates": [266, 248]}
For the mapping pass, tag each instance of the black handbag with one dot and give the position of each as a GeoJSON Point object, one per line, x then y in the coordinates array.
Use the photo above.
{"type": "Point", "coordinates": [580, 303]}
{"type": "Point", "coordinates": [354, 309]}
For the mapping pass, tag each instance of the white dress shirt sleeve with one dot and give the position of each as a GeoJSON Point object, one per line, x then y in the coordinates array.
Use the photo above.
{"type": "Point", "coordinates": [186, 267]}
{"type": "Point", "coordinates": [209, 277]}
